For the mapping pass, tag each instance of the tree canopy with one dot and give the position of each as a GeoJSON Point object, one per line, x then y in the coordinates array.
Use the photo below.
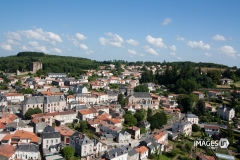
{"type": "Point", "coordinates": [31, 111]}
{"type": "Point", "coordinates": [141, 88]}
{"type": "Point", "coordinates": [68, 152]}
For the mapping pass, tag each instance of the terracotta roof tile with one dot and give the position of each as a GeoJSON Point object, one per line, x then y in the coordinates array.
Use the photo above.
{"type": "Point", "coordinates": [141, 149]}
{"type": "Point", "coordinates": [7, 150]}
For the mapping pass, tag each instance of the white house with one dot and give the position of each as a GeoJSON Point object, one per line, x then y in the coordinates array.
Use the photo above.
{"type": "Point", "coordinates": [183, 127]}
{"type": "Point", "coordinates": [29, 151]}
{"type": "Point", "coordinates": [192, 118]}
{"type": "Point", "coordinates": [225, 112]}
{"type": "Point", "coordinates": [143, 152]}
{"type": "Point", "coordinates": [14, 97]}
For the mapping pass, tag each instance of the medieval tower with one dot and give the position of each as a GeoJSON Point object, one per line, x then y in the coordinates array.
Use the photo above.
{"type": "Point", "coordinates": [36, 66]}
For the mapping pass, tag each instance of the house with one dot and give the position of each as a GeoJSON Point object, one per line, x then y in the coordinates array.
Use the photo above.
{"type": "Point", "coordinates": [20, 137]}
{"type": "Point", "coordinates": [213, 94]}
{"type": "Point", "coordinates": [29, 151]}
{"type": "Point", "coordinates": [226, 81]}
{"type": "Point", "coordinates": [14, 97]}
{"type": "Point", "coordinates": [1, 80]}
{"type": "Point", "coordinates": [199, 94]}
{"type": "Point", "coordinates": [211, 130]}
{"type": "Point", "coordinates": [82, 144]}
{"type": "Point", "coordinates": [142, 98]}
{"type": "Point", "coordinates": [45, 103]}
{"type": "Point", "coordinates": [132, 154]}
{"type": "Point", "coordinates": [112, 96]}
{"type": "Point", "coordinates": [123, 137]}
{"type": "Point", "coordinates": [183, 127]}
{"type": "Point", "coordinates": [86, 114]}
{"type": "Point", "coordinates": [116, 154]}
{"type": "Point", "coordinates": [152, 145]}
{"type": "Point", "coordinates": [225, 112]}
{"type": "Point", "coordinates": [99, 147]}
{"type": "Point", "coordinates": [7, 152]}
{"type": "Point", "coordinates": [161, 137]}
{"type": "Point", "coordinates": [145, 124]}
{"type": "Point", "coordinates": [56, 117]}
{"type": "Point", "coordinates": [51, 140]}
{"type": "Point", "coordinates": [77, 89]}
{"type": "Point", "coordinates": [192, 118]}
{"type": "Point", "coordinates": [134, 131]}
{"type": "Point", "coordinates": [143, 152]}
{"type": "Point", "coordinates": [65, 133]}
{"type": "Point", "coordinates": [56, 75]}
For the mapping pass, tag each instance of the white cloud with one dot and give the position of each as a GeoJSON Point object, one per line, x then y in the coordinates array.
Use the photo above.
{"type": "Point", "coordinates": [114, 40]}
{"type": "Point", "coordinates": [80, 36]}
{"type": "Point", "coordinates": [89, 52]}
{"type": "Point", "coordinates": [166, 21]}
{"type": "Point", "coordinates": [179, 58]}
{"type": "Point", "coordinates": [53, 43]}
{"type": "Point", "coordinates": [200, 45]}
{"type": "Point", "coordinates": [33, 44]}
{"type": "Point", "coordinates": [57, 50]}
{"type": "Point", "coordinates": [39, 34]}
{"type": "Point", "coordinates": [150, 50]}
{"type": "Point", "coordinates": [10, 41]}
{"type": "Point", "coordinates": [172, 53]}
{"type": "Point", "coordinates": [83, 46]}
{"type": "Point", "coordinates": [180, 38]}
{"type": "Point", "coordinates": [218, 37]}
{"type": "Point", "coordinates": [25, 48]}
{"type": "Point", "coordinates": [133, 42]}
{"type": "Point", "coordinates": [173, 48]}
{"type": "Point", "coordinates": [158, 42]}
{"type": "Point", "coordinates": [132, 51]}
{"type": "Point", "coordinates": [238, 55]}
{"type": "Point", "coordinates": [208, 54]}
{"type": "Point", "coordinates": [228, 50]}
{"type": "Point", "coordinates": [141, 55]}
{"type": "Point", "coordinates": [6, 46]}
{"type": "Point", "coordinates": [13, 36]}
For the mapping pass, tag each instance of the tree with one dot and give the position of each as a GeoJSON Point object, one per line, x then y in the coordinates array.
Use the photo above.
{"type": "Point", "coordinates": [195, 128]}
{"type": "Point", "coordinates": [142, 130]}
{"type": "Point", "coordinates": [28, 114]}
{"type": "Point", "coordinates": [129, 120]}
{"type": "Point", "coordinates": [157, 120]}
{"type": "Point", "coordinates": [32, 111]}
{"type": "Point", "coordinates": [83, 126]}
{"type": "Point", "coordinates": [140, 115]}
{"type": "Point", "coordinates": [68, 152]}
{"type": "Point", "coordinates": [201, 106]}
{"type": "Point", "coordinates": [149, 112]}
{"type": "Point", "coordinates": [185, 102]}
{"type": "Point", "coordinates": [141, 88]}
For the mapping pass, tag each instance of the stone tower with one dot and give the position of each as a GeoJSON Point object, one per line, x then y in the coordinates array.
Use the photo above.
{"type": "Point", "coordinates": [36, 66]}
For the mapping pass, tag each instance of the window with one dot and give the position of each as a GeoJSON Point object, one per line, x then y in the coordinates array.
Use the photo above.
{"type": "Point", "coordinates": [56, 141]}
{"type": "Point", "coordinates": [47, 141]}
{"type": "Point", "coordinates": [52, 141]}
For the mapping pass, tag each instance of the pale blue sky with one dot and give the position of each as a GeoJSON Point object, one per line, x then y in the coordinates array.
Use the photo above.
{"type": "Point", "coordinates": [137, 30]}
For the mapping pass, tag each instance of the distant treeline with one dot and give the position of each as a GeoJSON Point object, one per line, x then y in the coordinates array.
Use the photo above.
{"type": "Point", "coordinates": [76, 65]}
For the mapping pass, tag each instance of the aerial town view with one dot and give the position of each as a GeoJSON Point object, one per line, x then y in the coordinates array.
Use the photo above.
{"type": "Point", "coordinates": [120, 80]}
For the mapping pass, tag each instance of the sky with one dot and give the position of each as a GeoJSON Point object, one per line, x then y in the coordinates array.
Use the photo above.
{"type": "Point", "coordinates": [135, 30]}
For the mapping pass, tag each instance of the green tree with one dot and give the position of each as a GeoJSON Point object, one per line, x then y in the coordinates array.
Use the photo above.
{"type": "Point", "coordinates": [142, 130]}
{"type": "Point", "coordinates": [83, 126]}
{"type": "Point", "coordinates": [37, 110]}
{"type": "Point", "coordinates": [195, 128]}
{"type": "Point", "coordinates": [201, 106]}
{"type": "Point", "coordinates": [129, 120]}
{"type": "Point", "coordinates": [157, 120]}
{"type": "Point", "coordinates": [140, 115]}
{"type": "Point", "coordinates": [28, 114]}
{"type": "Point", "coordinates": [141, 88]}
{"type": "Point", "coordinates": [185, 102]}
{"type": "Point", "coordinates": [149, 112]}
{"type": "Point", "coordinates": [68, 152]}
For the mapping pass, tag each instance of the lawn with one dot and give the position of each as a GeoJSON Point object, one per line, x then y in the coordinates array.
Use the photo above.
{"type": "Point", "coordinates": [222, 151]}
{"type": "Point", "coordinates": [163, 157]}
{"type": "Point", "coordinates": [237, 84]}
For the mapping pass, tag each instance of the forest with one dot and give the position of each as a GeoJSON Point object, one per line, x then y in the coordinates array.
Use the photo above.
{"type": "Point", "coordinates": [66, 64]}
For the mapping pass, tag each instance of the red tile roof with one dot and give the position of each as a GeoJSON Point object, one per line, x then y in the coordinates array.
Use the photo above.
{"type": "Point", "coordinates": [7, 150]}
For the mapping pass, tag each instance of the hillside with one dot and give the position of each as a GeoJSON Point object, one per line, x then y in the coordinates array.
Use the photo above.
{"type": "Point", "coordinates": [55, 63]}
{"type": "Point", "coordinates": [51, 63]}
